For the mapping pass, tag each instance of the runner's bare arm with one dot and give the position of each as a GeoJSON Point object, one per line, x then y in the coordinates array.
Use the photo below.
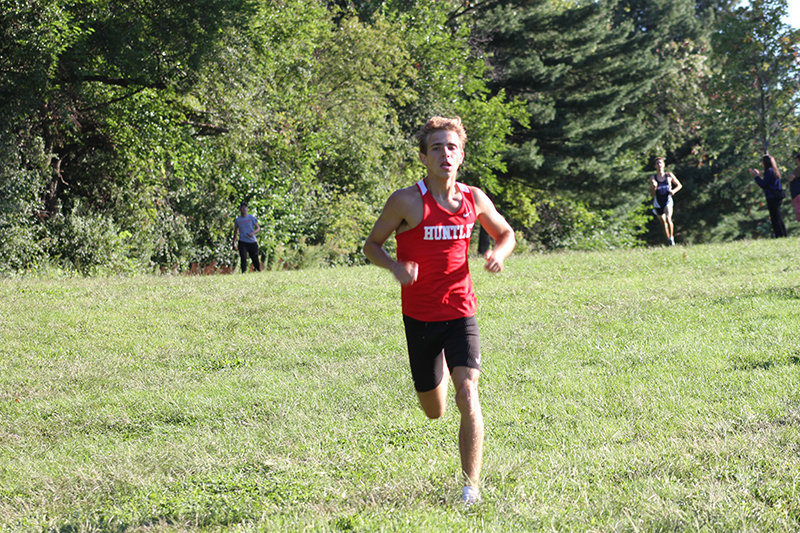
{"type": "Point", "coordinates": [494, 223]}
{"type": "Point", "coordinates": [393, 216]}
{"type": "Point", "coordinates": [677, 184]}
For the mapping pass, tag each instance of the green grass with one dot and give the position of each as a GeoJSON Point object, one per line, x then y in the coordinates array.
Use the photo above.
{"type": "Point", "coordinates": [646, 390]}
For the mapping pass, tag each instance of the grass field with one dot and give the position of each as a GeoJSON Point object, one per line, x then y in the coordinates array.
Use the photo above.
{"type": "Point", "coordinates": [647, 390]}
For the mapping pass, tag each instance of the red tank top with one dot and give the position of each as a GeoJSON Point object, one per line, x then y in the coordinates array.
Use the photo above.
{"type": "Point", "coordinates": [439, 245]}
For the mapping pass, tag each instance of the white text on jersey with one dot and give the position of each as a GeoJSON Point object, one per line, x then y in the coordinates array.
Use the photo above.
{"type": "Point", "coordinates": [447, 233]}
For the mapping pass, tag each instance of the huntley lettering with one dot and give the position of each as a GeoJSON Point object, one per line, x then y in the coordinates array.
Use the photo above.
{"type": "Point", "coordinates": [448, 233]}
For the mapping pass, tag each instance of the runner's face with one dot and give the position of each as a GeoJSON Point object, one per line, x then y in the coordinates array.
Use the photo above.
{"type": "Point", "coordinates": [445, 154]}
{"type": "Point", "coordinates": [243, 210]}
{"type": "Point", "coordinates": [659, 165]}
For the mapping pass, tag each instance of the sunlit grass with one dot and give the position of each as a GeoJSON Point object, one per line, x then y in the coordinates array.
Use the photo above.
{"type": "Point", "coordinates": [645, 390]}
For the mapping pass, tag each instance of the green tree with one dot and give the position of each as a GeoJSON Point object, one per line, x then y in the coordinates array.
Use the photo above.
{"type": "Point", "coordinates": [154, 121]}
{"type": "Point", "coordinates": [580, 73]}
{"type": "Point", "coordinates": [107, 81]}
{"type": "Point", "coordinates": [752, 109]}
{"type": "Point", "coordinates": [245, 125]}
{"type": "Point", "coordinates": [756, 89]}
{"type": "Point", "coordinates": [677, 35]}
{"type": "Point", "coordinates": [452, 79]}
{"type": "Point", "coordinates": [578, 70]}
{"type": "Point", "coordinates": [32, 37]}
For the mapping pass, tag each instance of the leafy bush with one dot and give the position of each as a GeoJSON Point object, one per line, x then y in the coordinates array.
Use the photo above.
{"type": "Point", "coordinates": [87, 242]}
{"type": "Point", "coordinates": [22, 174]}
{"type": "Point", "coordinates": [19, 247]}
{"type": "Point", "coordinates": [562, 223]}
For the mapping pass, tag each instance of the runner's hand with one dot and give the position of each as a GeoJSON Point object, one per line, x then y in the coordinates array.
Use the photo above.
{"type": "Point", "coordinates": [405, 272]}
{"type": "Point", "coordinates": [493, 264]}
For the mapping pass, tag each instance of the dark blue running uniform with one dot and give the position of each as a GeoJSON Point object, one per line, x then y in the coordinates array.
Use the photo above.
{"type": "Point", "coordinates": [663, 196]}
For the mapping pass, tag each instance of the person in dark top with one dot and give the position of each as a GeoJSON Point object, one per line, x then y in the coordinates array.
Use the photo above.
{"type": "Point", "coordinates": [771, 183]}
{"type": "Point", "coordinates": [662, 186]}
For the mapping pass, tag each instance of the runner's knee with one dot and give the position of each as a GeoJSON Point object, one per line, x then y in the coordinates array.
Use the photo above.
{"type": "Point", "coordinates": [467, 396]}
{"type": "Point", "coordinates": [433, 411]}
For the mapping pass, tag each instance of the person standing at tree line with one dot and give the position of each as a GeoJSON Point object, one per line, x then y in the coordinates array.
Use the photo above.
{"type": "Point", "coordinates": [773, 192]}
{"type": "Point", "coordinates": [433, 222]}
{"type": "Point", "coordinates": [245, 228]}
{"type": "Point", "coordinates": [662, 186]}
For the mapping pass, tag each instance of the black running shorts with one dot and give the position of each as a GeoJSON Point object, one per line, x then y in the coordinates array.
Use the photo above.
{"type": "Point", "coordinates": [457, 341]}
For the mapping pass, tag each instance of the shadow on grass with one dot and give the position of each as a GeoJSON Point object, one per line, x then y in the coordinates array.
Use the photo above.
{"type": "Point", "coordinates": [777, 293]}
{"type": "Point", "coordinates": [744, 362]}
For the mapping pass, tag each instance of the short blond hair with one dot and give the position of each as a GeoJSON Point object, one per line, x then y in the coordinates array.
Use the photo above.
{"type": "Point", "coordinates": [435, 124]}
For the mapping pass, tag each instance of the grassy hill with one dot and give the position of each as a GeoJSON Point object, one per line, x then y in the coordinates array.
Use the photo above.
{"type": "Point", "coordinates": [647, 390]}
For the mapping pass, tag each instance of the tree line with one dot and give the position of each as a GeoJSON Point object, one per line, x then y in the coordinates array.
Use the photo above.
{"type": "Point", "coordinates": [130, 130]}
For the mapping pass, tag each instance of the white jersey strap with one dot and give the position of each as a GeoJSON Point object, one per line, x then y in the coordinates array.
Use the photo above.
{"type": "Point", "coordinates": [423, 188]}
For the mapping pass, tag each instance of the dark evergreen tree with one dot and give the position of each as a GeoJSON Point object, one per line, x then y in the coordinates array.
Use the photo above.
{"type": "Point", "coordinates": [580, 70]}
{"type": "Point", "coordinates": [609, 84]}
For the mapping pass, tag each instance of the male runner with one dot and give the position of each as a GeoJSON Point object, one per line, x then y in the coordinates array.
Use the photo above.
{"type": "Point", "coordinates": [433, 221]}
{"type": "Point", "coordinates": [663, 185]}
